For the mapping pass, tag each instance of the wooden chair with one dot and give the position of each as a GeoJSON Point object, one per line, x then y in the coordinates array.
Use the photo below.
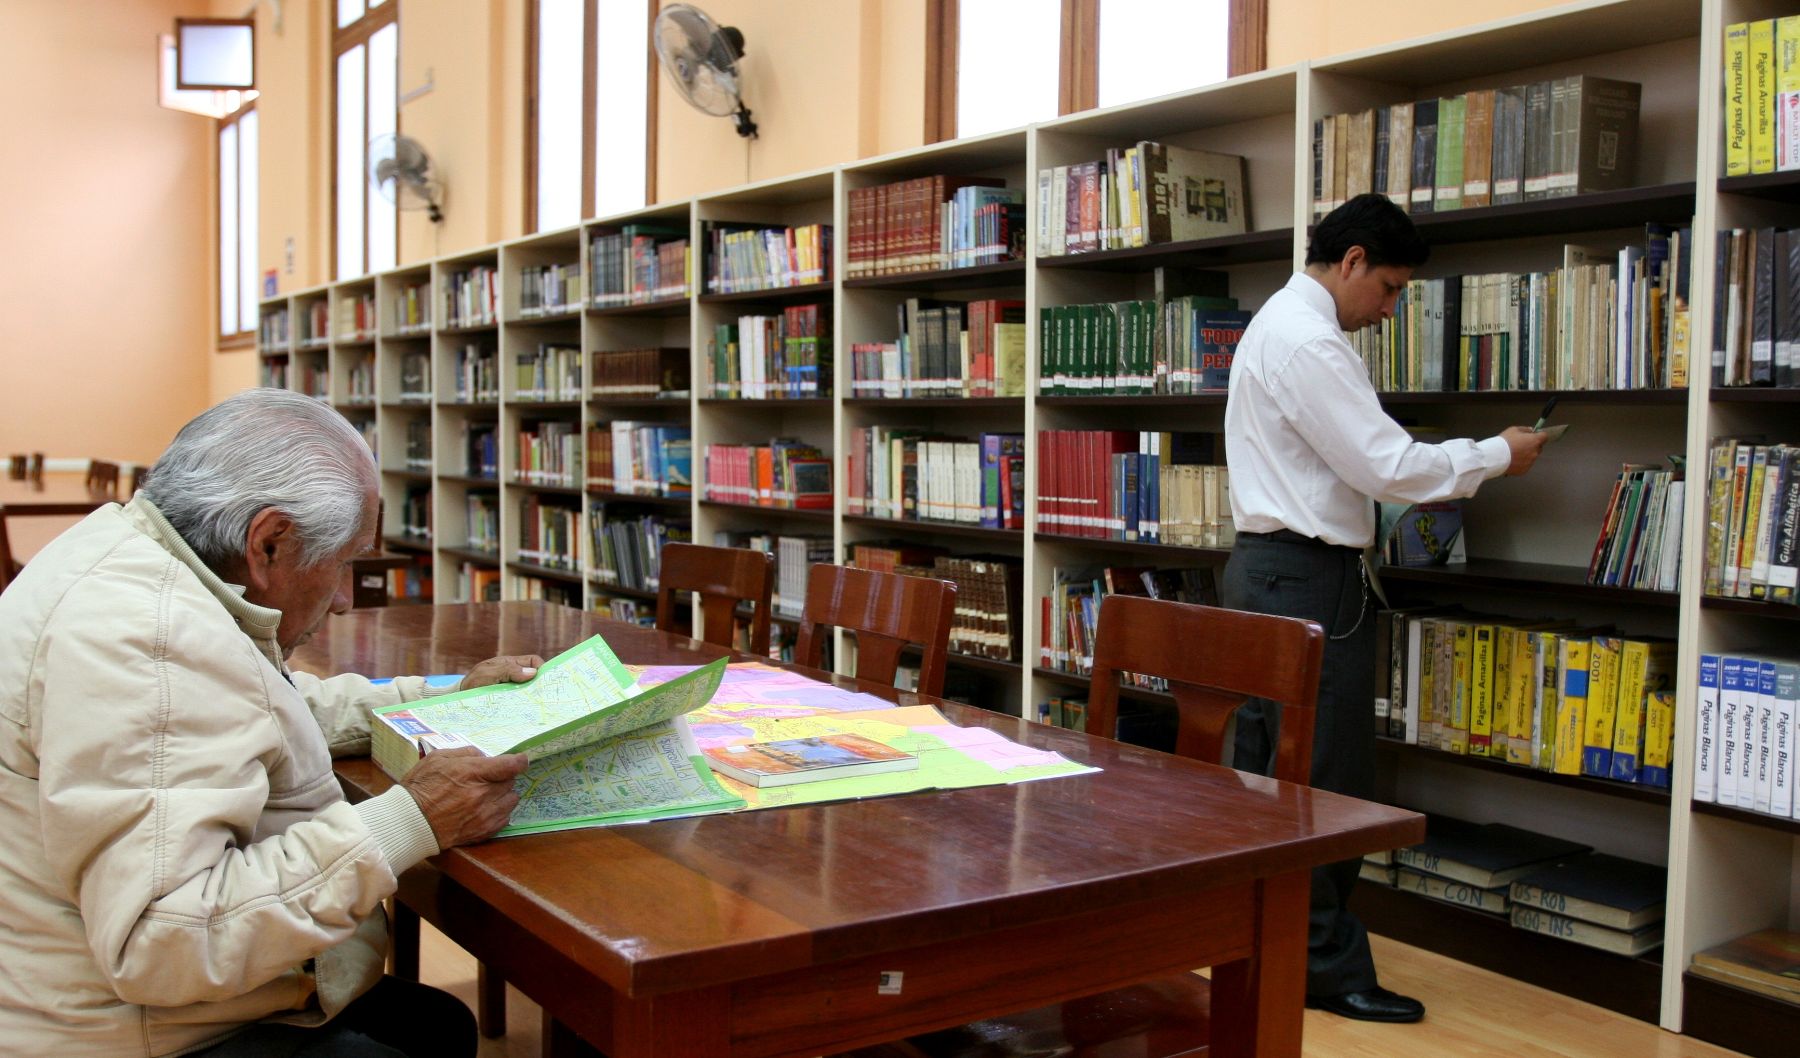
{"type": "Point", "coordinates": [135, 479]}
{"type": "Point", "coordinates": [8, 568]}
{"type": "Point", "coordinates": [1213, 659]}
{"type": "Point", "coordinates": [887, 612]}
{"type": "Point", "coordinates": [723, 577]}
{"type": "Point", "coordinates": [18, 466]}
{"type": "Point", "coordinates": [103, 478]}
{"type": "Point", "coordinates": [35, 469]}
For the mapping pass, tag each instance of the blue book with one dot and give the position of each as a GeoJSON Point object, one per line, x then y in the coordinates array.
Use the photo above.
{"type": "Point", "coordinates": [1215, 341]}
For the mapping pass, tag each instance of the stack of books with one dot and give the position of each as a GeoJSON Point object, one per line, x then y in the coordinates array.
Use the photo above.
{"type": "Point", "coordinates": [1762, 96]}
{"type": "Point", "coordinates": [987, 621]}
{"type": "Point", "coordinates": [412, 308]}
{"type": "Point", "coordinates": [549, 453]}
{"type": "Point", "coordinates": [356, 317]}
{"type": "Point", "coordinates": [472, 297]}
{"type": "Point", "coordinates": [1753, 521]}
{"type": "Point", "coordinates": [909, 475]}
{"type": "Point", "coordinates": [627, 549]}
{"type": "Point", "coordinates": [1744, 741]}
{"type": "Point", "coordinates": [795, 555]}
{"type": "Point", "coordinates": [415, 513]}
{"type": "Point", "coordinates": [272, 330]}
{"type": "Point", "coordinates": [1185, 345]}
{"type": "Point", "coordinates": [1598, 900]}
{"type": "Point", "coordinates": [483, 520]}
{"type": "Point", "coordinates": [481, 450]}
{"type": "Point", "coordinates": [549, 533]}
{"type": "Point", "coordinates": [1473, 865]}
{"type": "Point", "coordinates": [477, 377]}
{"type": "Point", "coordinates": [1766, 962]}
{"type": "Point", "coordinates": [415, 377]}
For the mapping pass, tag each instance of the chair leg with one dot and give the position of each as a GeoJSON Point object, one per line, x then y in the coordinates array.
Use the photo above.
{"type": "Point", "coordinates": [490, 1002]}
{"type": "Point", "coordinates": [406, 941]}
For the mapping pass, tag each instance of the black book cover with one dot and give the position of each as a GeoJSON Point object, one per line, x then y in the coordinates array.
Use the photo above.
{"type": "Point", "coordinates": [1721, 291]}
{"type": "Point", "coordinates": [1498, 850]}
{"type": "Point", "coordinates": [1383, 126]}
{"type": "Point", "coordinates": [1762, 306]}
{"type": "Point", "coordinates": [1787, 309]}
{"type": "Point", "coordinates": [1452, 332]}
{"type": "Point", "coordinates": [1424, 154]}
{"type": "Point", "coordinates": [1610, 881]}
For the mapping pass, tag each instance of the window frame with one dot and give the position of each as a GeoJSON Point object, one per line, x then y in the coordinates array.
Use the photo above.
{"type": "Point", "coordinates": [246, 334]}
{"type": "Point", "coordinates": [373, 20]}
{"type": "Point", "coordinates": [1079, 75]}
{"type": "Point", "coordinates": [590, 69]}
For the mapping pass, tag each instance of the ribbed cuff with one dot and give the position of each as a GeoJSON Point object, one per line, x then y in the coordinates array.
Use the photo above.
{"type": "Point", "coordinates": [399, 828]}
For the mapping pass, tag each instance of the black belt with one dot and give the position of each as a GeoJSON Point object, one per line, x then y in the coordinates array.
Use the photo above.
{"type": "Point", "coordinates": [1288, 536]}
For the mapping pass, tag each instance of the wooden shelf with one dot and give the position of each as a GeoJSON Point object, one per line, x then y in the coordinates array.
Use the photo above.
{"type": "Point", "coordinates": [1210, 398]}
{"type": "Point", "coordinates": [774, 295]}
{"type": "Point", "coordinates": [567, 576]}
{"type": "Point", "coordinates": [397, 542]}
{"type": "Point", "coordinates": [1748, 1022]}
{"type": "Point", "coordinates": [619, 589]}
{"type": "Point", "coordinates": [1671, 204]}
{"type": "Point", "coordinates": [1538, 396]}
{"type": "Point", "coordinates": [528, 404]}
{"type": "Point", "coordinates": [1009, 403]}
{"type": "Point", "coordinates": [408, 404]}
{"type": "Point", "coordinates": [1275, 244]}
{"type": "Point", "coordinates": [408, 473]}
{"type": "Point", "coordinates": [469, 554]}
{"type": "Point", "coordinates": [1538, 578]}
{"type": "Point", "coordinates": [959, 660]}
{"type": "Point", "coordinates": [1754, 395]}
{"type": "Point", "coordinates": [1747, 817]}
{"type": "Point", "coordinates": [1005, 273]}
{"type": "Point", "coordinates": [611, 401]}
{"type": "Point", "coordinates": [807, 403]}
{"type": "Point", "coordinates": [1183, 553]}
{"type": "Point", "coordinates": [1778, 187]}
{"type": "Point", "coordinates": [807, 513]}
{"type": "Point", "coordinates": [470, 405]}
{"type": "Point", "coordinates": [1403, 750]}
{"type": "Point", "coordinates": [547, 319]}
{"type": "Point", "coordinates": [608, 496]}
{"type": "Point", "coordinates": [934, 528]}
{"type": "Point", "coordinates": [467, 479]}
{"type": "Point", "coordinates": [1632, 987]}
{"type": "Point", "coordinates": [1779, 611]}
{"type": "Point", "coordinates": [469, 328]}
{"type": "Point", "coordinates": [555, 490]}
{"type": "Point", "coordinates": [666, 307]}
{"type": "Point", "coordinates": [1141, 694]}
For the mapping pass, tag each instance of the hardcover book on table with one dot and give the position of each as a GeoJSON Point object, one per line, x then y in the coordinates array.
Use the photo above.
{"type": "Point", "coordinates": [796, 760]}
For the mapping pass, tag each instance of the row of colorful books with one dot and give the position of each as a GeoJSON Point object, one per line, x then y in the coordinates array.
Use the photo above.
{"type": "Point", "coordinates": [1148, 486]}
{"type": "Point", "coordinates": [1744, 735]}
{"type": "Point", "coordinates": [930, 223]}
{"type": "Point", "coordinates": [549, 290]}
{"type": "Point", "coordinates": [549, 453]}
{"type": "Point", "coordinates": [783, 473]}
{"type": "Point", "coordinates": [314, 377]}
{"type": "Point", "coordinates": [356, 317]}
{"type": "Point", "coordinates": [1753, 520]}
{"type": "Point", "coordinates": [472, 297]}
{"type": "Point", "coordinates": [1601, 321]}
{"type": "Point", "coordinates": [482, 511]}
{"type": "Point", "coordinates": [412, 308]}
{"type": "Point", "coordinates": [1756, 318]}
{"type": "Point", "coordinates": [1493, 146]}
{"type": "Point", "coordinates": [315, 323]}
{"type": "Point", "coordinates": [651, 372]}
{"type": "Point", "coordinates": [481, 450]}
{"type": "Point", "coordinates": [647, 459]}
{"type": "Point", "coordinates": [637, 264]}
{"type": "Point", "coordinates": [911, 475]}
{"type": "Point", "coordinates": [413, 582]}
{"type": "Point", "coordinates": [1640, 541]}
{"type": "Point", "coordinates": [1536, 882]}
{"type": "Point", "coordinates": [1762, 96]}
{"type": "Point", "coordinates": [477, 583]}
{"type": "Point", "coordinates": [272, 330]}
{"type": "Point", "coordinates": [550, 532]}
{"type": "Point", "coordinates": [744, 257]}
{"type": "Point", "coordinates": [549, 372]}
{"type": "Point", "coordinates": [1545, 695]}
{"type": "Point", "coordinates": [772, 357]}
{"type": "Point", "coordinates": [987, 621]}
{"type": "Point", "coordinates": [415, 513]}
{"type": "Point", "coordinates": [627, 548]}
{"type": "Point", "coordinates": [1070, 614]}
{"type": "Point", "coordinates": [275, 373]}
{"type": "Point", "coordinates": [1185, 345]}
{"type": "Point", "coordinates": [477, 375]}
{"type": "Point", "coordinates": [359, 382]}
{"type": "Point", "coordinates": [1138, 196]}
{"type": "Point", "coordinates": [945, 349]}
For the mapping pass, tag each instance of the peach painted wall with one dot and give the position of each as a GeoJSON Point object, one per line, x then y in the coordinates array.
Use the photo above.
{"type": "Point", "coordinates": [106, 328]}
{"type": "Point", "coordinates": [1313, 29]}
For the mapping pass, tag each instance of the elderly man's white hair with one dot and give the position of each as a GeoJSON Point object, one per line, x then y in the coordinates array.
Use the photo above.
{"type": "Point", "coordinates": [259, 449]}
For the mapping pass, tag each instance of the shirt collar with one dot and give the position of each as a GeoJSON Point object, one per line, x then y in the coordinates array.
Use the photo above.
{"type": "Point", "coordinates": [257, 622]}
{"type": "Point", "coordinates": [1316, 297]}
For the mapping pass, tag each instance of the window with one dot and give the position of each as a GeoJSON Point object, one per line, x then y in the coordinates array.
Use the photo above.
{"type": "Point", "coordinates": [237, 225]}
{"type": "Point", "coordinates": [1063, 56]}
{"type": "Point", "coordinates": [591, 94]}
{"type": "Point", "coordinates": [365, 92]}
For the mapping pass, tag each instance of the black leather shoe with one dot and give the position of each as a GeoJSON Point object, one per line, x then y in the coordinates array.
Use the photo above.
{"type": "Point", "coordinates": [1375, 1004]}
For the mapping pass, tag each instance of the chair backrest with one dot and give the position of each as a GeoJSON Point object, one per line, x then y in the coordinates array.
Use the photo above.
{"type": "Point", "coordinates": [103, 478]}
{"type": "Point", "coordinates": [135, 481]}
{"type": "Point", "coordinates": [7, 569]}
{"type": "Point", "coordinates": [35, 469]}
{"type": "Point", "coordinates": [723, 577]}
{"type": "Point", "coordinates": [1214, 659]}
{"type": "Point", "coordinates": [887, 612]}
{"type": "Point", "coordinates": [17, 466]}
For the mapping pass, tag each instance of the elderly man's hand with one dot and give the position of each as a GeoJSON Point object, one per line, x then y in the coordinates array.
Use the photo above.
{"type": "Point", "coordinates": [513, 668]}
{"type": "Point", "coordinates": [464, 794]}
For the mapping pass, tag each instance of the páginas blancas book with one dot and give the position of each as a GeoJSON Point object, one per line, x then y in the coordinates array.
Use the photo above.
{"type": "Point", "coordinates": [797, 760]}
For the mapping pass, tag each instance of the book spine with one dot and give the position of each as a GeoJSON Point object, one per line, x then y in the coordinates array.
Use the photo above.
{"type": "Point", "coordinates": [1737, 99]}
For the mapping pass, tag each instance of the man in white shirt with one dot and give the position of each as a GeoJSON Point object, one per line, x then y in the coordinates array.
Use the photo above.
{"type": "Point", "coordinates": [1309, 448]}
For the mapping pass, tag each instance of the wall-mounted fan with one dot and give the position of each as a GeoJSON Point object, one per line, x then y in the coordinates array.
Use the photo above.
{"type": "Point", "coordinates": [701, 57]}
{"type": "Point", "coordinates": [401, 170]}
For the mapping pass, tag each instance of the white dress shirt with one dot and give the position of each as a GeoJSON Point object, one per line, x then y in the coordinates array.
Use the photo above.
{"type": "Point", "coordinates": [1307, 440]}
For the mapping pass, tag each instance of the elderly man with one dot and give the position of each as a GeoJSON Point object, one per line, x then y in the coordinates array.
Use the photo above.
{"type": "Point", "coordinates": [179, 873]}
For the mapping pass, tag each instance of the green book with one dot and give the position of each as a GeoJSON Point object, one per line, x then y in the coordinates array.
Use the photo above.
{"type": "Point", "coordinates": [1449, 155]}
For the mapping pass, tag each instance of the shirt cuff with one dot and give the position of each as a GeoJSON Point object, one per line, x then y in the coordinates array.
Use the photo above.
{"type": "Point", "coordinates": [399, 828]}
{"type": "Point", "coordinates": [1496, 455]}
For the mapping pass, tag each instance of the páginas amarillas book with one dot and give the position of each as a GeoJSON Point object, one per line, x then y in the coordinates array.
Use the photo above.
{"type": "Point", "coordinates": [602, 751]}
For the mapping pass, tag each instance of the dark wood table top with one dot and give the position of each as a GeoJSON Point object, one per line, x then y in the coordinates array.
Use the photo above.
{"type": "Point", "coordinates": [57, 494]}
{"type": "Point", "coordinates": [679, 904]}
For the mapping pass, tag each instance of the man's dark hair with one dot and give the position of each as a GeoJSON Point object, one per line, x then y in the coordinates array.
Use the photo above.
{"type": "Point", "coordinates": [1372, 222]}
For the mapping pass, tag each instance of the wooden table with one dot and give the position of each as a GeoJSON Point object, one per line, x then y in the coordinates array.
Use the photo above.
{"type": "Point", "coordinates": [58, 494]}
{"type": "Point", "coordinates": [781, 933]}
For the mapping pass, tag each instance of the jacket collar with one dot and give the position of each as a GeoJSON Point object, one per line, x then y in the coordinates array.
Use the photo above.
{"type": "Point", "coordinates": [257, 622]}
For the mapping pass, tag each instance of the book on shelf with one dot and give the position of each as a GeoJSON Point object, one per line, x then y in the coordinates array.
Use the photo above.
{"type": "Point", "coordinates": [477, 374]}
{"type": "Point", "coordinates": [1745, 741]}
{"type": "Point", "coordinates": [415, 377]}
{"type": "Point", "coordinates": [1421, 534]}
{"type": "Point", "coordinates": [1141, 195]}
{"type": "Point", "coordinates": [472, 296]}
{"type": "Point", "coordinates": [481, 450]}
{"type": "Point", "coordinates": [1064, 711]}
{"type": "Point", "coordinates": [933, 223]}
{"type": "Point", "coordinates": [529, 588]}
{"type": "Point", "coordinates": [1766, 961]}
{"type": "Point", "coordinates": [1484, 855]}
{"type": "Point", "coordinates": [549, 290]}
{"type": "Point", "coordinates": [355, 316]}
{"type": "Point", "coordinates": [1639, 545]}
{"type": "Point", "coordinates": [1620, 942]}
{"type": "Point", "coordinates": [772, 357]}
{"type": "Point", "coordinates": [602, 750]}
{"type": "Point", "coordinates": [415, 513]}
{"type": "Point", "coordinates": [626, 550]}
{"type": "Point", "coordinates": [272, 331]}
{"type": "Point", "coordinates": [549, 453]}
{"type": "Point", "coordinates": [550, 532]}
{"type": "Point", "coordinates": [477, 583]}
{"type": "Point", "coordinates": [946, 348]}
{"type": "Point", "coordinates": [1146, 486]}
{"type": "Point", "coordinates": [647, 459]}
{"type": "Point", "coordinates": [1378, 873]}
{"type": "Point", "coordinates": [1070, 613]}
{"type": "Point", "coordinates": [482, 512]}
{"type": "Point", "coordinates": [1489, 146]}
{"type": "Point", "coordinates": [638, 264]}
{"type": "Point", "coordinates": [987, 622]}
{"type": "Point", "coordinates": [1450, 891]}
{"type": "Point", "coordinates": [747, 257]}
{"type": "Point", "coordinates": [909, 475]}
{"type": "Point", "coordinates": [795, 555]}
{"type": "Point", "coordinates": [648, 372]}
{"type": "Point", "coordinates": [787, 761]}
{"type": "Point", "coordinates": [1604, 890]}
{"type": "Point", "coordinates": [1756, 318]}
{"type": "Point", "coordinates": [412, 308]}
{"type": "Point", "coordinates": [783, 473]}
{"type": "Point", "coordinates": [1787, 93]}
{"type": "Point", "coordinates": [552, 371]}
{"type": "Point", "coordinates": [412, 583]}
{"type": "Point", "coordinates": [315, 323]}
{"type": "Point", "coordinates": [1753, 521]}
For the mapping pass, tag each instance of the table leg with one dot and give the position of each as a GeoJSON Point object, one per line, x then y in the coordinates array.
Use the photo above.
{"type": "Point", "coordinates": [490, 1002]}
{"type": "Point", "coordinates": [1259, 1003]}
{"type": "Point", "coordinates": [405, 922]}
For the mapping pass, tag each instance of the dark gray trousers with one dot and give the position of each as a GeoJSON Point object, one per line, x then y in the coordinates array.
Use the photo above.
{"type": "Point", "coordinates": [1292, 576]}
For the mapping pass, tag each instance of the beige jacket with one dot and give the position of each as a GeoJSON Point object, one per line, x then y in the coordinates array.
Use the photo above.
{"type": "Point", "coordinates": [176, 858]}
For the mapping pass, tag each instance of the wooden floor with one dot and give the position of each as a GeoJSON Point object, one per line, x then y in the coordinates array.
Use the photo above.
{"type": "Point", "coordinates": [1469, 1013]}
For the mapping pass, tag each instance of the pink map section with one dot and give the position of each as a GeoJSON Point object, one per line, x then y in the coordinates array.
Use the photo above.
{"type": "Point", "coordinates": [990, 747]}
{"type": "Point", "coordinates": [768, 692]}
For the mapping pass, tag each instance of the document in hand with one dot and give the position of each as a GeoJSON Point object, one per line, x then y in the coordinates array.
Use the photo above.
{"type": "Point", "coordinates": [602, 750]}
